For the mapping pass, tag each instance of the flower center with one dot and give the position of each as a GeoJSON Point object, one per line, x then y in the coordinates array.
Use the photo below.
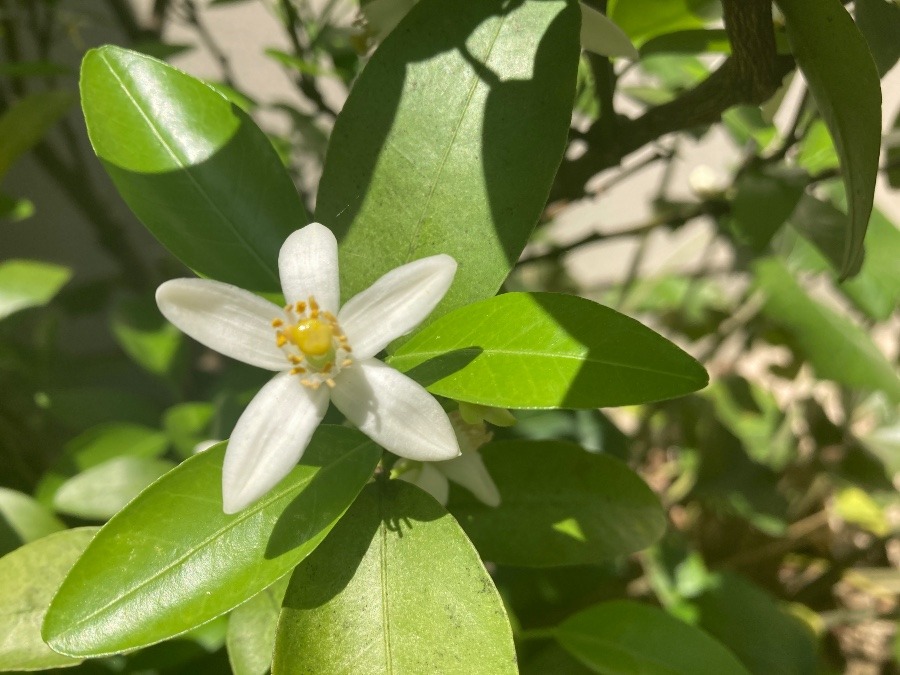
{"type": "Point", "coordinates": [313, 342]}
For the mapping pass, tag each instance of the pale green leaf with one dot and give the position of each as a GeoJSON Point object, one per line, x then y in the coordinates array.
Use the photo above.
{"type": "Point", "coordinates": [25, 122]}
{"type": "Point", "coordinates": [29, 576]}
{"type": "Point", "coordinates": [29, 283]}
{"type": "Point", "coordinates": [251, 630]}
{"type": "Point", "coordinates": [23, 520]}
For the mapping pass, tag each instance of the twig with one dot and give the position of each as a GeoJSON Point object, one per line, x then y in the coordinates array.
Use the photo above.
{"type": "Point", "coordinates": [306, 84]}
{"type": "Point", "coordinates": [193, 18]}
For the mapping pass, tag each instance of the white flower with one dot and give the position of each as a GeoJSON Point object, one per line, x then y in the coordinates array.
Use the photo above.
{"type": "Point", "coordinates": [467, 470]}
{"type": "Point", "coordinates": [324, 352]}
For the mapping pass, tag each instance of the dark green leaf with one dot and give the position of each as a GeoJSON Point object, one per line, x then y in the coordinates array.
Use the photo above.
{"type": "Point", "coordinates": [29, 283]}
{"type": "Point", "coordinates": [624, 637]}
{"type": "Point", "coordinates": [192, 166]}
{"type": "Point", "coordinates": [427, 157]}
{"type": "Point", "coordinates": [396, 588]}
{"type": "Point", "coordinates": [28, 578]}
{"type": "Point", "coordinates": [23, 520]}
{"type": "Point", "coordinates": [26, 121]}
{"type": "Point", "coordinates": [561, 505]}
{"type": "Point", "coordinates": [879, 22]}
{"type": "Point", "coordinates": [546, 350]}
{"type": "Point", "coordinates": [172, 560]}
{"type": "Point", "coordinates": [251, 630]}
{"type": "Point", "coordinates": [746, 620]}
{"type": "Point", "coordinates": [843, 79]}
{"type": "Point", "coordinates": [765, 198]}
{"type": "Point", "coordinates": [837, 348]}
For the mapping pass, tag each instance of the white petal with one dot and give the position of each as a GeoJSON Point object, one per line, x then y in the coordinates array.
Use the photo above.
{"type": "Point", "coordinates": [601, 36]}
{"type": "Point", "coordinates": [394, 411]}
{"type": "Point", "coordinates": [223, 317]}
{"type": "Point", "coordinates": [469, 471]}
{"type": "Point", "coordinates": [395, 304]}
{"type": "Point", "coordinates": [269, 439]}
{"type": "Point", "coordinates": [431, 480]}
{"type": "Point", "coordinates": [308, 265]}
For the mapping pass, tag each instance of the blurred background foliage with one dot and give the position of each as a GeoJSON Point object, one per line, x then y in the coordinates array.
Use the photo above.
{"type": "Point", "coordinates": [779, 479]}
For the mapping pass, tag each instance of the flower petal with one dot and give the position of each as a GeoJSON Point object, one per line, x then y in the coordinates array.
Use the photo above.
{"type": "Point", "coordinates": [469, 471]}
{"type": "Point", "coordinates": [308, 265]}
{"type": "Point", "coordinates": [395, 304]}
{"type": "Point", "coordinates": [394, 411]}
{"type": "Point", "coordinates": [223, 317]}
{"type": "Point", "coordinates": [429, 479]}
{"type": "Point", "coordinates": [269, 439]}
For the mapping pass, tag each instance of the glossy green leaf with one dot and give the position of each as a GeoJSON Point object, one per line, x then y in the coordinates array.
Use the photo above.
{"type": "Point", "coordinates": [172, 560]}
{"type": "Point", "coordinates": [251, 630]}
{"type": "Point", "coordinates": [765, 198]}
{"type": "Point", "coordinates": [843, 79]}
{"type": "Point", "coordinates": [837, 349]}
{"type": "Point", "coordinates": [98, 445]}
{"type": "Point", "coordinates": [25, 122]}
{"type": "Point", "coordinates": [29, 283]}
{"type": "Point", "coordinates": [624, 637]}
{"type": "Point", "coordinates": [546, 350]}
{"type": "Point", "coordinates": [396, 588]}
{"type": "Point", "coordinates": [561, 505]}
{"type": "Point", "coordinates": [601, 36]}
{"type": "Point", "coordinates": [150, 340]}
{"type": "Point", "coordinates": [426, 158]}
{"type": "Point", "coordinates": [879, 22]}
{"type": "Point", "coordinates": [766, 639]}
{"type": "Point", "coordinates": [644, 19]}
{"type": "Point", "coordinates": [29, 577]}
{"type": "Point", "coordinates": [23, 520]}
{"type": "Point", "coordinates": [191, 165]}
{"type": "Point", "coordinates": [102, 491]}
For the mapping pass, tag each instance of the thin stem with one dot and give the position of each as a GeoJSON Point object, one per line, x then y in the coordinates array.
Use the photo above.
{"type": "Point", "coordinates": [193, 18]}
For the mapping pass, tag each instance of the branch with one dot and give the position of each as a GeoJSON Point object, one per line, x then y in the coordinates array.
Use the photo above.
{"type": "Point", "coordinates": [751, 75]}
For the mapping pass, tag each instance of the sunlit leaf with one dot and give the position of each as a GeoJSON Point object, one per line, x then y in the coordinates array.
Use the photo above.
{"type": "Point", "coordinates": [172, 560]}
{"type": "Point", "coordinates": [425, 157]}
{"type": "Point", "coordinates": [546, 350]}
{"type": "Point", "coordinates": [191, 165]}
{"type": "Point", "coordinates": [29, 283]}
{"type": "Point", "coordinates": [396, 588]}
{"type": "Point", "coordinates": [29, 576]}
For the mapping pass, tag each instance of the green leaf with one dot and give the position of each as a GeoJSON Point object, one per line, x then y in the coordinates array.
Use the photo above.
{"type": "Point", "coordinates": [251, 630]}
{"type": "Point", "coordinates": [822, 224]}
{"type": "Point", "coordinates": [98, 445]}
{"type": "Point", "coordinates": [172, 560]}
{"type": "Point", "coordinates": [426, 158]}
{"type": "Point", "coordinates": [25, 122]}
{"type": "Point", "coordinates": [23, 520]}
{"type": "Point", "coordinates": [624, 637]}
{"type": "Point", "coordinates": [693, 41]}
{"type": "Point", "coordinates": [561, 505]}
{"type": "Point", "coordinates": [837, 349]}
{"type": "Point", "coordinates": [151, 341]}
{"type": "Point", "coordinates": [28, 578]}
{"type": "Point", "coordinates": [892, 147]}
{"type": "Point", "coordinates": [15, 209]}
{"type": "Point", "coordinates": [191, 165]}
{"type": "Point", "coordinates": [766, 197]}
{"type": "Point", "coordinates": [879, 22]}
{"type": "Point", "coordinates": [29, 283]}
{"type": "Point", "coordinates": [546, 350]}
{"type": "Point", "coordinates": [644, 19]}
{"type": "Point", "coordinates": [102, 491]}
{"type": "Point", "coordinates": [747, 620]}
{"type": "Point", "coordinates": [396, 588]}
{"type": "Point", "coordinates": [843, 79]}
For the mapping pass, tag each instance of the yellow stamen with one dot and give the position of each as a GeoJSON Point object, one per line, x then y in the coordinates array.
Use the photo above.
{"type": "Point", "coordinates": [330, 383]}
{"type": "Point", "coordinates": [280, 339]}
{"type": "Point", "coordinates": [277, 323]}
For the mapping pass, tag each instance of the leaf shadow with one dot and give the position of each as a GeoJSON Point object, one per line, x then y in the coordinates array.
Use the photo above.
{"type": "Point", "coordinates": [441, 366]}
{"type": "Point", "coordinates": [326, 572]}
